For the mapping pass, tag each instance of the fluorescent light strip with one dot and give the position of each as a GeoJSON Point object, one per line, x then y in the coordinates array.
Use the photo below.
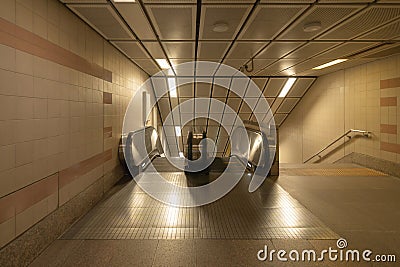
{"type": "Point", "coordinates": [178, 131]}
{"type": "Point", "coordinates": [287, 87]}
{"type": "Point", "coordinates": [163, 63]}
{"type": "Point", "coordinates": [172, 87]}
{"type": "Point", "coordinates": [334, 62]}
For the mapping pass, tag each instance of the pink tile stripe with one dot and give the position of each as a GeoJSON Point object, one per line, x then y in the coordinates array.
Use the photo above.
{"type": "Point", "coordinates": [388, 101]}
{"type": "Point", "coordinates": [390, 147]}
{"type": "Point", "coordinates": [389, 128]}
{"type": "Point", "coordinates": [17, 202]}
{"type": "Point", "coordinates": [14, 36]}
{"type": "Point", "coordinates": [390, 83]}
{"type": "Point", "coordinates": [74, 172]}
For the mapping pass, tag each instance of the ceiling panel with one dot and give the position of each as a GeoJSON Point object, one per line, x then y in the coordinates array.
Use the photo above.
{"type": "Point", "coordinates": [235, 63]}
{"type": "Point", "coordinates": [365, 21]}
{"type": "Point", "coordinates": [233, 16]}
{"type": "Point", "coordinates": [306, 65]}
{"type": "Point", "coordinates": [215, 50]}
{"type": "Point", "coordinates": [326, 15]}
{"type": "Point", "coordinates": [179, 49]}
{"type": "Point", "coordinates": [278, 49]}
{"type": "Point", "coordinates": [258, 64]}
{"type": "Point", "coordinates": [84, 1]}
{"type": "Point", "coordinates": [274, 86]}
{"type": "Point", "coordinates": [132, 49]}
{"type": "Point", "coordinates": [169, 1]}
{"type": "Point", "coordinates": [186, 90]}
{"type": "Point", "coordinates": [276, 17]}
{"type": "Point", "coordinates": [390, 31]}
{"type": "Point", "coordinates": [164, 107]}
{"type": "Point", "coordinates": [300, 87]}
{"type": "Point", "coordinates": [346, 49]}
{"type": "Point", "coordinates": [148, 65]}
{"type": "Point", "coordinates": [260, 82]}
{"type": "Point", "coordinates": [278, 66]}
{"type": "Point", "coordinates": [234, 103]}
{"type": "Point", "coordinates": [155, 49]}
{"type": "Point", "coordinates": [245, 49]}
{"type": "Point", "coordinates": [310, 50]}
{"type": "Point", "coordinates": [287, 1]}
{"type": "Point", "coordinates": [346, 1]}
{"type": "Point", "coordinates": [278, 101]}
{"type": "Point", "coordinates": [203, 89]}
{"type": "Point", "coordinates": [287, 105]}
{"type": "Point", "coordinates": [174, 22]}
{"type": "Point", "coordinates": [279, 118]}
{"type": "Point", "coordinates": [104, 20]}
{"type": "Point", "coordinates": [245, 108]}
{"type": "Point", "coordinates": [219, 91]}
{"type": "Point", "coordinates": [227, 1]}
{"type": "Point", "coordinates": [135, 17]}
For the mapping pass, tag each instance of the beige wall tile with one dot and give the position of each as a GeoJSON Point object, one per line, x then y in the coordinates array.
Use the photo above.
{"type": "Point", "coordinates": [24, 62]}
{"type": "Point", "coordinates": [24, 16]}
{"type": "Point", "coordinates": [51, 116]}
{"type": "Point", "coordinates": [24, 85]}
{"type": "Point", "coordinates": [362, 110]}
{"type": "Point", "coordinates": [8, 107]}
{"type": "Point", "coordinates": [24, 175]}
{"type": "Point", "coordinates": [24, 153]}
{"type": "Point", "coordinates": [7, 182]}
{"type": "Point", "coordinates": [7, 55]}
{"type": "Point", "coordinates": [40, 108]}
{"type": "Point", "coordinates": [24, 108]}
{"type": "Point", "coordinates": [8, 81]}
{"type": "Point", "coordinates": [24, 220]}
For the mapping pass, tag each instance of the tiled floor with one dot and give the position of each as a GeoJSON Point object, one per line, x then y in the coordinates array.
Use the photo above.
{"type": "Point", "coordinates": [128, 228]}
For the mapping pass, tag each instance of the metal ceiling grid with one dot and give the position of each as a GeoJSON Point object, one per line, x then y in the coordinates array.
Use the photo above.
{"type": "Point", "coordinates": [182, 30]}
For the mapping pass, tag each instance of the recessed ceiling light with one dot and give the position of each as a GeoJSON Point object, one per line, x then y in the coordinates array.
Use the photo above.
{"type": "Point", "coordinates": [334, 62]}
{"type": "Point", "coordinates": [220, 27]}
{"type": "Point", "coordinates": [163, 63]}
{"type": "Point", "coordinates": [289, 83]}
{"type": "Point", "coordinates": [312, 26]}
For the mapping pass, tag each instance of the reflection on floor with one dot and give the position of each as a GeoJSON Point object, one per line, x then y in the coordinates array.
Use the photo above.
{"type": "Point", "coordinates": [303, 211]}
{"type": "Point", "coordinates": [268, 213]}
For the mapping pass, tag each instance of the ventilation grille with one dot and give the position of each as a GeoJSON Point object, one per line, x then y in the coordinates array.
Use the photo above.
{"type": "Point", "coordinates": [346, 49]}
{"type": "Point", "coordinates": [328, 16]}
{"type": "Point", "coordinates": [269, 21]}
{"type": "Point", "coordinates": [300, 87]}
{"type": "Point", "coordinates": [390, 31]}
{"type": "Point", "coordinates": [384, 53]}
{"type": "Point", "coordinates": [310, 50]}
{"type": "Point", "coordinates": [368, 20]}
{"type": "Point", "coordinates": [104, 20]}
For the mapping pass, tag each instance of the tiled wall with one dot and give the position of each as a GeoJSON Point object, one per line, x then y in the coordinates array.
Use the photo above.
{"type": "Point", "coordinates": [365, 97]}
{"type": "Point", "coordinates": [63, 94]}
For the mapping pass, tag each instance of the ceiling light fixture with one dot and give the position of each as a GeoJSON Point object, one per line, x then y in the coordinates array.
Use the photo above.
{"type": "Point", "coordinates": [178, 131]}
{"type": "Point", "coordinates": [289, 83]}
{"type": "Point", "coordinates": [334, 62]}
{"type": "Point", "coordinates": [312, 26]}
{"type": "Point", "coordinates": [220, 27]}
{"type": "Point", "coordinates": [163, 63]}
{"type": "Point", "coordinates": [172, 87]}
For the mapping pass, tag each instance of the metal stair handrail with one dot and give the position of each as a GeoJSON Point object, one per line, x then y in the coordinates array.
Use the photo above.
{"type": "Point", "coordinates": [359, 132]}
